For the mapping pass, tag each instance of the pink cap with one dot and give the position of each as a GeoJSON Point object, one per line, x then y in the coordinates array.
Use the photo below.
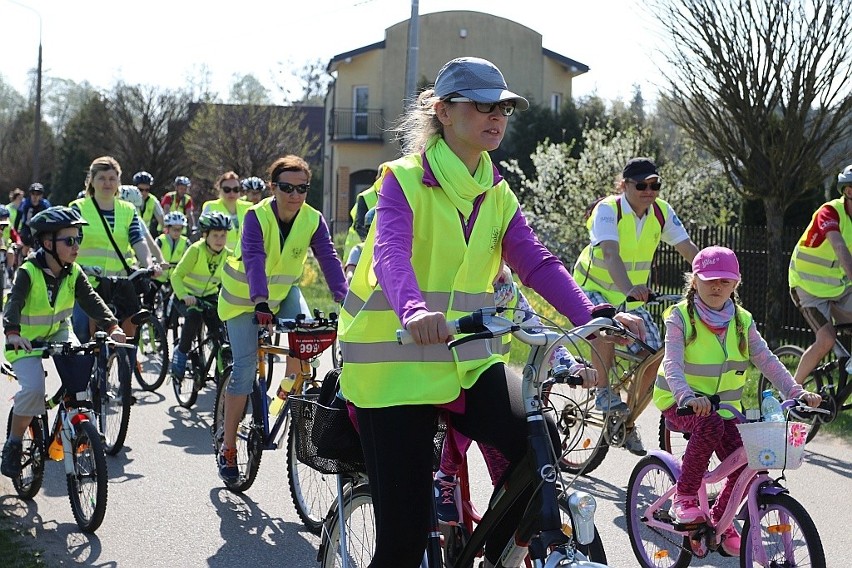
{"type": "Point", "coordinates": [712, 263]}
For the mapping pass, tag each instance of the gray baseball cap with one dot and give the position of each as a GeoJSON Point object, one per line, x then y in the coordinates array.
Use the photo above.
{"type": "Point", "coordinates": [477, 79]}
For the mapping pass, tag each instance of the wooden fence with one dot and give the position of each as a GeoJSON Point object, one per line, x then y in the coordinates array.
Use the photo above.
{"type": "Point", "coordinates": [750, 244]}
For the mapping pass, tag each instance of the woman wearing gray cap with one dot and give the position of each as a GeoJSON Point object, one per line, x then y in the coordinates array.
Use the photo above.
{"type": "Point", "coordinates": [445, 218]}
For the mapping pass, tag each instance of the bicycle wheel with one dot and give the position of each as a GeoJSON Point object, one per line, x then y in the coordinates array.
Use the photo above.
{"type": "Point", "coordinates": [185, 387]}
{"type": "Point", "coordinates": [581, 427]}
{"type": "Point", "coordinates": [787, 537]}
{"type": "Point", "coordinates": [112, 401]}
{"type": "Point", "coordinates": [654, 547]}
{"type": "Point", "coordinates": [359, 521]}
{"type": "Point", "coordinates": [790, 355]}
{"type": "Point", "coordinates": [29, 481]}
{"type": "Point", "coordinates": [152, 355]}
{"type": "Point", "coordinates": [249, 437]}
{"type": "Point", "coordinates": [87, 484]}
{"type": "Point", "coordinates": [312, 492]}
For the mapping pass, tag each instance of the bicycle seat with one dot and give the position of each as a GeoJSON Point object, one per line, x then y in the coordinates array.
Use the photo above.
{"type": "Point", "coordinates": [140, 317]}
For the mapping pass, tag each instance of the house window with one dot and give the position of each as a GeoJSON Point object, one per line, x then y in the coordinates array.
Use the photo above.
{"type": "Point", "coordinates": [555, 101]}
{"type": "Point", "coordinates": [360, 103]}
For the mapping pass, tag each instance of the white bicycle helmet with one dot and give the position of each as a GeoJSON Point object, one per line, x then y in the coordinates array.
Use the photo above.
{"type": "Point", "coordinates": [174, 218]}
{"type": "Point", "coordinates": [131, 194]}
{"type": "Point", "coordinates": [143, 177]}
{"type": "Point", "coordinates": [253, 184]}
{"type": "Point", "coordinates": [844, 178]}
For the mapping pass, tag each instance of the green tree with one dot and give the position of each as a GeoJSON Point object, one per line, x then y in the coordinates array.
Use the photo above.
{"type": "Point", "coordinates": [763, 86]}
{"type": "Point", "coordinates": [16, 152]}
{"type": "Point", "coordinates": [248, 90]}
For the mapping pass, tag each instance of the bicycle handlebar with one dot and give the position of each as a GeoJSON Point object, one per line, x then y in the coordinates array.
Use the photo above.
{"type": "Point", "coordinates": [656, 298]}
{"type": "Point", "coordinates": [301, 321]}
{"type": "Point", "coordinates": [716, 404]}
{"type": "Point", "coordinates": [49, 349]}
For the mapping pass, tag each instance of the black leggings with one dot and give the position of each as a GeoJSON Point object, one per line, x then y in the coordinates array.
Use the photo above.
{"type": "Point", "coordinates": [398, 449]}
{"type": "Point", "coordinates": [195, 315]}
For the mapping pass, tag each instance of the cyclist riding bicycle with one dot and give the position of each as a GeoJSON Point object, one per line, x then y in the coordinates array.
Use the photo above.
{"type": "Point", "coordinates": [198, 275]}
{"type": "Point", "coordinates": [625, 231]}
{"type": "Point", "coordinates": [820, 273]}
{"type": "Point", "coordinates": [253, 189]}
{"type": "Point", "coordinates": [179, 200]}
{"type": "Point", "coordinates": [150, 210]}
{"type": "Point", "coordinates": [47, 286]}
{"type": "Point", "coordinates": [229, 204]}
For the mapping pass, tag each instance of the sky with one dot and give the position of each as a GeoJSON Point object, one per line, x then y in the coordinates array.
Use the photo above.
{"type": "Point", "coordinates": [167, 43]}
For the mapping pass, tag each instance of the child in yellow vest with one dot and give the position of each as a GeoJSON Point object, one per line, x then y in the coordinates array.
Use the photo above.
{"type": "Point", "coordinates": [46, 288]}
{"type": "Point", "coordinates": [710, 329]}
{"type": "Point", "coordinates": [198, 276]}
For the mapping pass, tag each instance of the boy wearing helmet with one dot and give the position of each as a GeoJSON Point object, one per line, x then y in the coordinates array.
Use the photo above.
{"type": "Point", "coordinates": [47, 286]}
{"type": "Point", "coordinates": [253, 189]}
{"type": "Point", "coordinates": [198, 276]}
{"type": "Point", "coordinates": [172, 243]}
{"type": "Point", "coordinates": [820, 273]}
{"type": "Point", "coordinates": [179, 200]}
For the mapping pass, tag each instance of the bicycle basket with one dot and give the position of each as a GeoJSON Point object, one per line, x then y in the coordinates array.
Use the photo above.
{"type": "Point", "coordinates": [325, 438]}
{"type": "Point", "coordinates": [306, 344]}
{"type": "Point", "coordinates": [774, 445]}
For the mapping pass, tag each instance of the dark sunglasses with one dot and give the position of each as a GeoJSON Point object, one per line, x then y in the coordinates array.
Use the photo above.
{"type": "Point", "coordinates": [506, 107]}
{"type": "Point", "coordinates": [70, 241]}
{"type": "Point", "coordinates": [642, 186]}
{"type": "Point", "coordinates": [290, 188]}
{"type": "Point", "coordinates": [230, 189]}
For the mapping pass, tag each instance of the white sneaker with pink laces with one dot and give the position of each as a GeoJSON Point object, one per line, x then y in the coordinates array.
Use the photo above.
{"type": "Point", "coordinates": [685, 509]}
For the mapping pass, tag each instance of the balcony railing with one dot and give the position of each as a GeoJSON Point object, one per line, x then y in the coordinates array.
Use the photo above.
{"type": "Point", "coordinates": [352, 124]}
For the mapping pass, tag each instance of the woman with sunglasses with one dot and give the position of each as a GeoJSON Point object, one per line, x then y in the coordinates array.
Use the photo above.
{"type": "Point", "coordinates": [262, 283]}
{"type": "Point", "coordinates": [625, 231]}
{"type": "Point", "coordinates": [445, 218]}
{"type": "Point", "coordinates": [230, 204]}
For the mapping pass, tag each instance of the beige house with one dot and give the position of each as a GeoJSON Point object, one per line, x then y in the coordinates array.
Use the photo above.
{"type": "Point", "coordinates": [368, 90]}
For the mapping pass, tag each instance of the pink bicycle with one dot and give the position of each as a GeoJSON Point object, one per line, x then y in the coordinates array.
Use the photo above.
{"type": "Point", "coordinates": [777, 530]}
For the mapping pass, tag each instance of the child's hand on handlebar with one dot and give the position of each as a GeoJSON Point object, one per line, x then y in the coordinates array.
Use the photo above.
{"type": "Point", "coordinates": [118, 335]}
{"type": "Point", "coordinates": [590, 377]}
{"type": "Point", "coordinates": [812, 399]}
{"type": "Point", "coordinates": [429, 328]}
{"type": "Point", "coordinates": [701, 406]}
{"type": "Point", "coordinates": [632, 322]}
{"type": "Point", "coordinates": [18, 342]}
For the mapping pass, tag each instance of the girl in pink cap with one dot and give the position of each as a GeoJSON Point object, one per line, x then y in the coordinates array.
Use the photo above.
{"type": "Point", "coordinates": [710, 341]}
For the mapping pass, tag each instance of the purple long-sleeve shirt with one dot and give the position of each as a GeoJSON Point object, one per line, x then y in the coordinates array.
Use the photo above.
{"type": "Point", "coordinates": [536, 266]}
{"type": "Point", "coordinates": [254, 258]}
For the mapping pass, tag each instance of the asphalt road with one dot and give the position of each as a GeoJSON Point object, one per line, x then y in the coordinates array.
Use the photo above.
{"type": "Point", "coordinates": [168, 508]}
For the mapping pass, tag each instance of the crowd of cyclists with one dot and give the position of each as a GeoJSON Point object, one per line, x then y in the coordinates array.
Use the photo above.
{"type": "Point", "coordinates": [438, 235]}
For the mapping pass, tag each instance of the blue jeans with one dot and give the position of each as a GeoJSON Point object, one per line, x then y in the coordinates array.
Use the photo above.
{"type": "Point", "coordinates": [242, 333]}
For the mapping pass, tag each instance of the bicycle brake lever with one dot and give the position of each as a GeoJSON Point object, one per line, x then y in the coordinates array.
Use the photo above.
{"type": "Point", "coordinates": [472, 337]}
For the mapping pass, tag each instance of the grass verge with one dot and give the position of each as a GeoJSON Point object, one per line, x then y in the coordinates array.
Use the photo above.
{"type": "Point", "coordinates": [17, 549]}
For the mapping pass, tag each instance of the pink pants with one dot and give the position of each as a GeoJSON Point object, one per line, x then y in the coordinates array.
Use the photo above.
{"type": "Point", "coordinates": [707, 434]}
{"type": "Point", "coordinates": [455, 447]}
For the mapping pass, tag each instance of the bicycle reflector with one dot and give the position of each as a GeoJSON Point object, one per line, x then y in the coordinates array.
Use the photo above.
{"type": "Point", "coordinates": [306, 344]}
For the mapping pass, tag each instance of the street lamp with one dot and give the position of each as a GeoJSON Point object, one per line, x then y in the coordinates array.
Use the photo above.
{"type": "Point", "coordinates": [37, 125]}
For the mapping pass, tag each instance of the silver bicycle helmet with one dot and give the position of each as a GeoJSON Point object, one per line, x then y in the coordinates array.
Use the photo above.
{"type": "Point", "coordinates": [131, 194]}
{"type": "Point", "coordinates": [844, 178]}
{"type": "Point", "coordinates": [143, 177]}
{"type": "Point", "coordinates": [214, 220]}
{"type": "Point", "coordinates": [175, 218]}
{"type": "Point", "coordinates": [183, 180]}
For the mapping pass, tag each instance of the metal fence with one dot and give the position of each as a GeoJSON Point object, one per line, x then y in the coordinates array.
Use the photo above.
{"type": "Point", "coordinates": [750, 244]}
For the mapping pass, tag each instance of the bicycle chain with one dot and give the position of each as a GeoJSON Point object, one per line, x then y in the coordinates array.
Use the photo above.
{"type": "Point", "coordinates": [680, 545]}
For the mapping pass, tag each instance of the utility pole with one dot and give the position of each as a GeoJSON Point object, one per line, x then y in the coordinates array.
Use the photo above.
{"type": "Point", "coordinates": [413, 54]}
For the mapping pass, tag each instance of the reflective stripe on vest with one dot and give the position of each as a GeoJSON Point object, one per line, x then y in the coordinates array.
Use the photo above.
{"type": "Point", "coordinates": [454, 277]}
{"type": "Point", "coordinates": [709, 366]}
{"type": "Point", "coordinates": [198, 281]}
{"type": "Point", "coordinates": [235, 233]}
{"type": "Point", "coordinates": [96, 248]}
{"type": "Point", "coordinates": [283, 267]}
{"type": "Point", "coordinates": [816, 269]}
{"type": "Point", "coordinates": [40, 320]}
{"type": "Point", "coordinates": [590, 269]}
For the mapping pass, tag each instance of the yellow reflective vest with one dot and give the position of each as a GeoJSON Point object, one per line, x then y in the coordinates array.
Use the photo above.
{"type": "Point", "coordinates": [96, 249]}
{"type": "Point", "coordinates": [39, 319]}
{"type": "Point", "coordinates": [590, 270]}
{"type": "Point", "coordinates": [199, 272]}
{"type": "Point", "coordinates": [710, 366]}
{"type": "Point", "coordinates": [283, 267]}
{"type": "Point", "coordinates": [233, 241]}
{"type": "Point", "coordinates": [454, 277]}
{"type": "Point", "coordinates": [371, 197]}
{"type": "Point", "coordinates": [816, 270]}
{"type": "Point", "coordinates": [172, 252]}
{"type": "Point", "coordinates": [147, 212]}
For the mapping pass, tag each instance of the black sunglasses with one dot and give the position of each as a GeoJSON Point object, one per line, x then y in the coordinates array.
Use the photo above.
{"type": "Point", "coordinates": [290, 188]}
{"type": "Point", "coordinates": [506, 107]}
{"type": "Point", "coordinates": [70, 241]}
{"type": "Point", "coordinates": [230, 189]}
{"type": "Point", "coordinates": [642, 186]}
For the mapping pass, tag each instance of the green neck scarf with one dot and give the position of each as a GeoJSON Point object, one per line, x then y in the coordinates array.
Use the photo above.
{"type": "Point", "coordinates": [454, 178]}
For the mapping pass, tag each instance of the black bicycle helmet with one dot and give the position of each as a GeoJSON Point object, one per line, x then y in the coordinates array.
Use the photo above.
{"type": "Point", "coordinates": [253, 184]}
{"type": "Point", "coordinates": [54, 219]}
{"type": "Point", "coordinates": [143, 177]}
{"type": "Point", "coordinates": [214, 220]}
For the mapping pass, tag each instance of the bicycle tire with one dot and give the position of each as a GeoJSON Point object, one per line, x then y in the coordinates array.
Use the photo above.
{"type": "Point", "coordinates": [790, 537]}
{"type": "Point", "coordinates": [312, 492]}
{"type": "Point", "coordinates": [185, 388]}
{"type": "Point", "coordinates": [113, 404]}
{"type": "Point", "coordinates": [790, 355]}
{"type": "Point", "coordinates": [87, 484]}
{"type": "Point", "coordinates": [249, 437]}
{"type": "Point", "coordinates": [34, 451]}
{"type": "Point", "coordinates": [360, 526]}
{"type": "Point", "coordinates": [581, 428]}
{"type": "Point", "coordinates": [152, 355]}
{"type": "Point", "coordinates": [653, 548]}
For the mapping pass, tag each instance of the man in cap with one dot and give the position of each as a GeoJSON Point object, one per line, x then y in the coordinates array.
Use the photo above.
{"type": "Point", "coordinates": [33, 204]}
